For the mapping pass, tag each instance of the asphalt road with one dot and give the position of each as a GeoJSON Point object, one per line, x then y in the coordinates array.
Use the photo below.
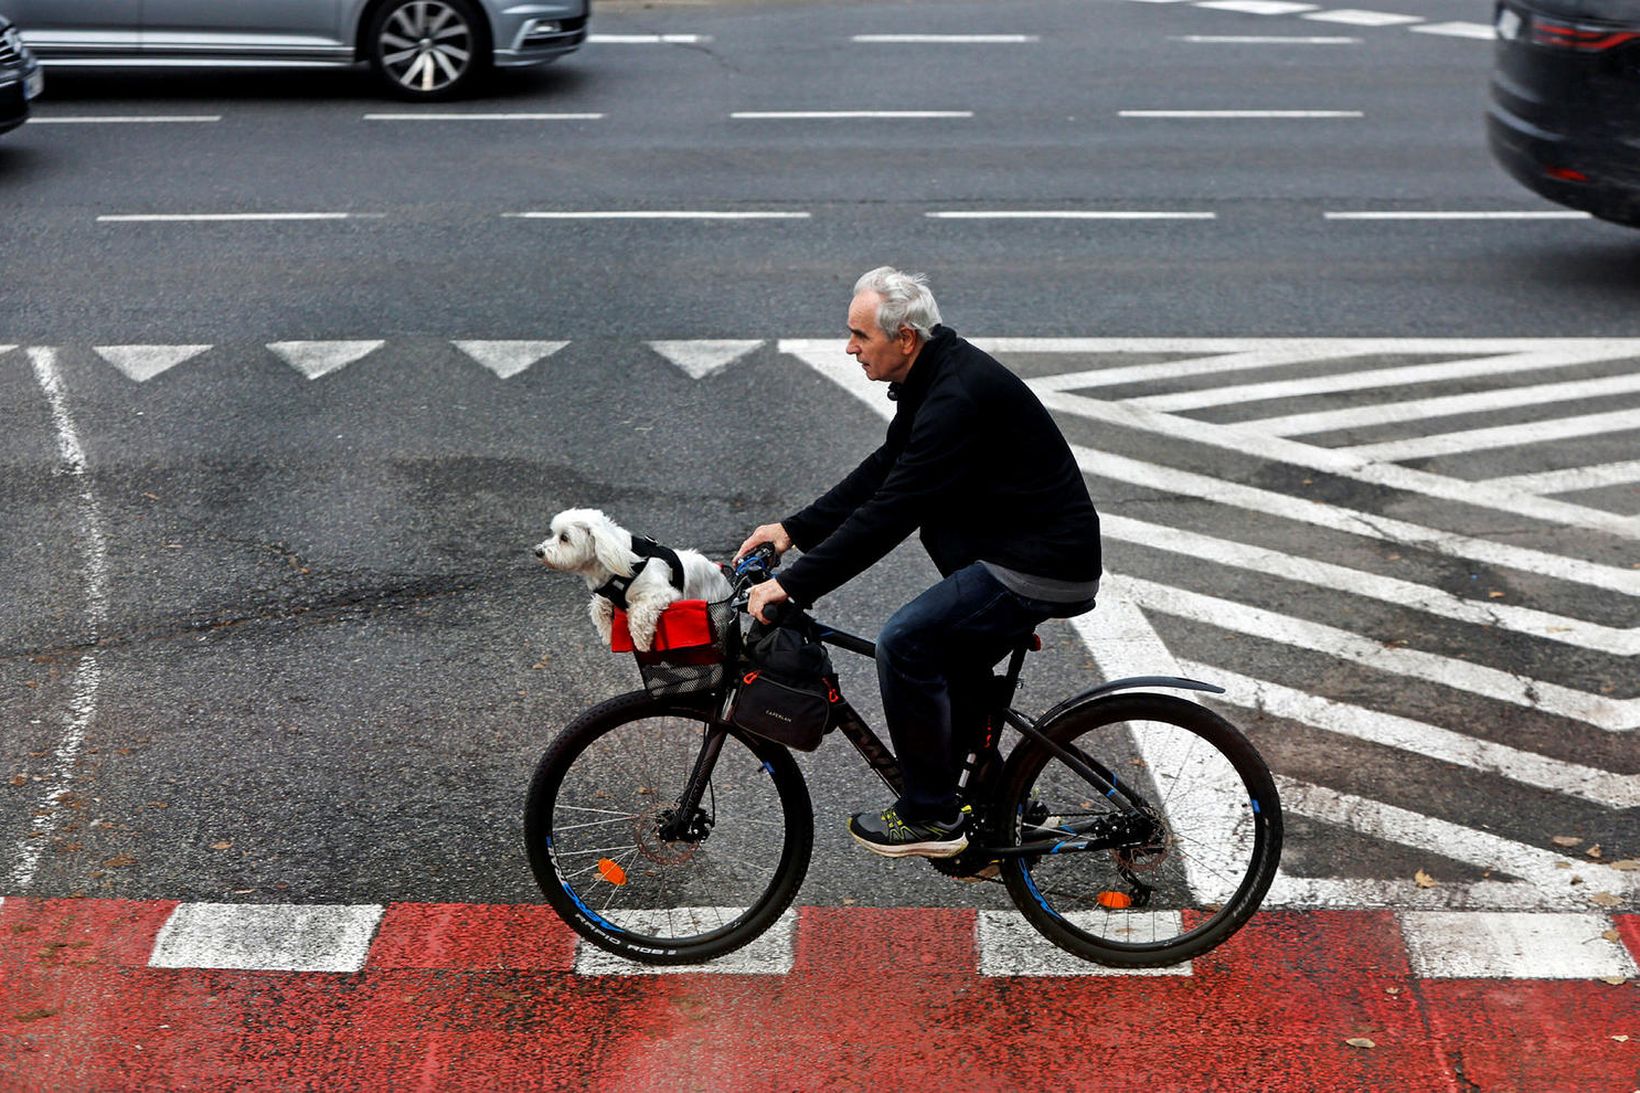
{"type": "Point", "coordinates": [279, 638]}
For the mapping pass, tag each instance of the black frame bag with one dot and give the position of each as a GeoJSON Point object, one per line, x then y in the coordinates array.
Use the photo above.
{"type": "Point", "coordinates": [787, 687]}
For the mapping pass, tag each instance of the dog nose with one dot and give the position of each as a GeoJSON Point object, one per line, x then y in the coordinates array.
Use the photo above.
{"type": "Point", "coordinates": [540, 553]}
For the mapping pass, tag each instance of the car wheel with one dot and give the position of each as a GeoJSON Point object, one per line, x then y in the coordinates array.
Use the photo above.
{"type": "Point", "coordinates": [428, 49]}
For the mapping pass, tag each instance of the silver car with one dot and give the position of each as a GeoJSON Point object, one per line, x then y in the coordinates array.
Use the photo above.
{"type": "Point", "coordinates": [421, 49]}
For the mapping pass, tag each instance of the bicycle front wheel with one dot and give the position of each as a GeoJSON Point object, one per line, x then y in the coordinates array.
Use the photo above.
{"type": "Point", "coordinates": [617, 860]}
{"type": "Point", "coordinates": [1186, 875]}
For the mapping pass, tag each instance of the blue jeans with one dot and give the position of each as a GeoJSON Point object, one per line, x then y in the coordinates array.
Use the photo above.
{"type": "Point", "coordinates": [934, 661]}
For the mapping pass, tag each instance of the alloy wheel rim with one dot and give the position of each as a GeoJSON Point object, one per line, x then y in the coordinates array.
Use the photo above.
{"type": "Point", "coordinates": [426, 45]}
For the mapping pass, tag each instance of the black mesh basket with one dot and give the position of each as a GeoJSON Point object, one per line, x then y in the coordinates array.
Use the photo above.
{"type": "Point", "coordinates": [697, 669]}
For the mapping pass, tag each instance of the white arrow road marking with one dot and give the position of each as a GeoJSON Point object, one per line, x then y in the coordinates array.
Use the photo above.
{"type": "Point", "coordinates": [507, 359]}
{"type": "Point", "coordinates": [144, 362]}
{"type": "Point", "coordinates": [1612, 715]}
{"type": "Point", "coordinates": [700, 359]}
{"type": "Point", "coordinates": [315, 359]}
{"type": "Point", "coordinates": [1404, 733]}
{"type": "Point", "coordinates": [267, 937]}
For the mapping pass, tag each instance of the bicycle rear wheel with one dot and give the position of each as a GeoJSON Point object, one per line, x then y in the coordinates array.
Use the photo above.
{"type": "Point", "coordinates": [1184, 885]}
{"type": "Point", "coordinates": [602, 795]}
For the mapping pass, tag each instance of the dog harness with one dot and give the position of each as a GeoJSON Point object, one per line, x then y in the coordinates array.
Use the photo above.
{"type": "Point", "coordinates": [614, 589]}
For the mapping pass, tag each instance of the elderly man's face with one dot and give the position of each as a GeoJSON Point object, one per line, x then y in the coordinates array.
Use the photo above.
{"type": "Point", "coordinates": [885, 358]}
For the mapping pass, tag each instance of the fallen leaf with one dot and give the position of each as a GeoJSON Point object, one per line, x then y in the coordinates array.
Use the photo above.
{"type": "Point", "coordinates": [1605, 899]}
{"type": "Point", "coordinates": [1424, 880]}
{"type": "Point", "coordinates": [1621, 1039]}
{"type": "Point", "coordinates": [1563, 865]}
{"type": "Point", "coordinates": [1611, 935]}
{"type": "Point", "coordinates": [1615, 980]}
{"type": "Point", "coordinates": [225, 844]}
{"type": "Point", "coordinates": [1360, 1041]}
{"type": "Point", "coordinates": [120, 860]}
{"type": "Point", "coordinates": [1565, 840]}
{"type": "Point", "coordinates": [1494, 595]}
{"type": "Point", "coordinates": [159, 804]}
{"type": "Point", "coordinates": [151, 496]}
{"type": "Point", "coordinates": [1593, 851]}
{"type": "Point", "coordinates": [35, 1015]}
{"type": "Point", "coordinates": [19, 779]}
{"type": "Point", "coordinates": [1392, 990]}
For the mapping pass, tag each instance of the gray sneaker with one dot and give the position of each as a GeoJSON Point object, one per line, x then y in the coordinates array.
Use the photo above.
{"type": "Point", "coordinates": [890, 836]}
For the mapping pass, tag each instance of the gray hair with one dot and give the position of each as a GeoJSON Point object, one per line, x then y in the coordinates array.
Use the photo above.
{"type": "Point", "coordinates": [904, 300]}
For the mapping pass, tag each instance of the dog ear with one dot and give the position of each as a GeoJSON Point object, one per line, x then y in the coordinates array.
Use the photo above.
{"type": "Point", "coordinates": [612, 547]}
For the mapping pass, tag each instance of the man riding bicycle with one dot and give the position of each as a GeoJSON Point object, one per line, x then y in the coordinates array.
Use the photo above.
{"type": "Point", "coordinates": [973, 460]}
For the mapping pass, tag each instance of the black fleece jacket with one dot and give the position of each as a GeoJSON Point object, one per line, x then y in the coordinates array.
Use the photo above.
{"type": "Point", "coordinates": [973, 459]}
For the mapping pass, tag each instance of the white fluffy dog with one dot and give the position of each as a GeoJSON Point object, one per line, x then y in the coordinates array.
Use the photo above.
{"type": "Point", "coordinates": [591, 545]}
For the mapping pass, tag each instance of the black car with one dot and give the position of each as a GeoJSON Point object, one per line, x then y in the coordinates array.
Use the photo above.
{"type": "Point", "coordinates": [21, 80]}
{"type": "Point", "coordinates": [1565, 113]}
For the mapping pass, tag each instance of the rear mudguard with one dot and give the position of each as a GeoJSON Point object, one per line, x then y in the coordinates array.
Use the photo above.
{"type": "Point", "coordinates": [1081, 698]}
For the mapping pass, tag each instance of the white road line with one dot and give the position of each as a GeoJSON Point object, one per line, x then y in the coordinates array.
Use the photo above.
{"type": "Point", "coordinates": [182, 218]}
{"type": "Point", "coordinates": [1256, 7]}
{"type": "Point", "coordinates": [315, 359]}
{"type": "Point", "coordinates": [699, 359]}
{"type": "Point", "coordinates": [1465, 844]}
{"type": "Point", "coordinates": [1386, 413]}
{"type": "Point", "coordinates": [1611, 715]}
{"type": "Point", "coordinates": [654, 214]}
{"type": "Point", "coordinates": [1263, 39]}
{"type": "Point", "coordinates": [1009, 946]}
{"type": "Point", "coordinates": [1482, 31]}
{"type": "Point", "coordinates": [1222, 114]}
{"type": "Point", "coordinates": [1501, 436]}
{"type": "Point", "coordinates": [1354, 893]}
{"type": "Point", "coordinates": [126, 119]}
{"type": "Point", "coordinates": [1555, 356]}
{"type": "Point", "coordinates": [1065, 214]}
{"type": "Point", "coordinates": [1356, 18]}
{"type": "Point", "coordinates": [771, 954]}
{"type": "Point", "coordinates": [948, 39]}
{"type": "Point", "coordinates": [1616, 791]}
{"type": "Point", "coordinates": [1425, 598]}
{"type": "Point", "coordinates": [267, 937]}
{"type": "Point", "coordinates": [835, 114]}
{"type": "Point", "coordinates": [482, 117]}
{"type": "Point", "coordinates": [1343, 463]}
{"type": "Point", "coordinates": [1480, 945]}
{"type": "Point", "coordinates": [1572, 478]}
{"type": "Point", "coordinates": [647, 39]}
{"type": "Point", "coordinates": [1354, 522]}
{"type": "Point", "coordinates": [92, 539]}
{"type": "Point", "coordinates": [1229, 359]}
{"type": "Point", "coordinates": [1525, 214]}
{"type": "Point", "coordinates": [507, 359]}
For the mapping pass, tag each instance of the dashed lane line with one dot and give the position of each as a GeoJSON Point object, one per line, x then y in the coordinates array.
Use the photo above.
{"type": "Point", "coordinates": [836, 115]}
{"type": "Point", "coordinates": [124, 119]}
{"type": "Point", "coordinates": [1263, 39]}
{"type": "Point", "coordinates": [1459, 214]}
{"type": "Point", "coordinates": [946, 39]}
{"type": "Point", "coordinates": [648, 39]}
{"type": "Point", "coordinates": [474, 116]}
{"type": "Point", "coordinates": [1240, 115]}
{"type": "Point", "coordinates": [182, 218]}
{"type": "Point", "coordinates": [1065, 214]}
{"type": "Point", "coordinates": [652, 214]}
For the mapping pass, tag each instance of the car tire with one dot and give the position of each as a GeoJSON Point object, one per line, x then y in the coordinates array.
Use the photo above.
{"type": "Point", "coordinates": [428, 50]}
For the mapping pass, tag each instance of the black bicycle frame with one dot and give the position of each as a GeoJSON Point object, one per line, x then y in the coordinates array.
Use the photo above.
{"type": "Point", "coordinates": [1132, 809]}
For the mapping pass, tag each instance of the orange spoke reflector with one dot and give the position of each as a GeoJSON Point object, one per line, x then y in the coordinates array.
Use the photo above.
{"type": "Point", "coordinates": [1116, 901]}
{"type": "Point", "coordinates": [615, 875]}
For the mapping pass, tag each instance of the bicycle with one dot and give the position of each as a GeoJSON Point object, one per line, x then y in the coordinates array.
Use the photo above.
{"type": "Point", "coordinates": [1130, 828]}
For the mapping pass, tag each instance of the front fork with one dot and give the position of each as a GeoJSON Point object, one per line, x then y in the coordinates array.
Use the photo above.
{"type": "Point", "coordinates": [686, 821]}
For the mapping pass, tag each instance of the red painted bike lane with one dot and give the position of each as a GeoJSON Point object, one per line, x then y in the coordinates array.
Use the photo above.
{"type": "Point", "coordinates": [486, 997]}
